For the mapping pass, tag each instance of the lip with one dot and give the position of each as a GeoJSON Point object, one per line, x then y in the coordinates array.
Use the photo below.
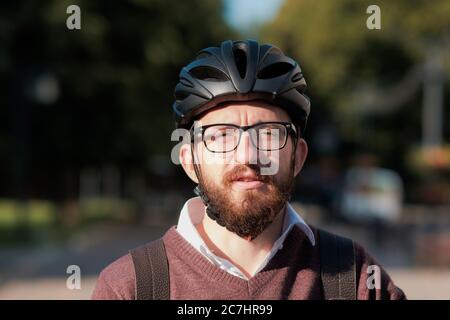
{"type": "Point", "coordinates": [247, 184]}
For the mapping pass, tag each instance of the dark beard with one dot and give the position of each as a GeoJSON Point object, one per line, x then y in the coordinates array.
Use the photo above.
{"type": "Point", "coordinates": [249, 218]}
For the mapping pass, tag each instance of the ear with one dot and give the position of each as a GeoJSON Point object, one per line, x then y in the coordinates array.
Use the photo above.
{"type": "Point", "coordinates": [187, 162]}
{"type": "Point", "coordinates": [300, 155]}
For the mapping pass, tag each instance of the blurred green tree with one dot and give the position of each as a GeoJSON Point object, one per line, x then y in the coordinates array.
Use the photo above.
{"type": "Point", "coordinates": [369, 82]}
{"type": "Point", "coordinates": [95, 96]}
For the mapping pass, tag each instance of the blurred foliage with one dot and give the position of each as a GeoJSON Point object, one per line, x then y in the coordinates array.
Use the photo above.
{"type": "Point", "coordinates": [34, 213]}
{"type": "Point", "coordinates": [107, 209]}
{"type": "Point", "coordinates": [25, 222]}
{"type": "Point", "coordinates": [344, 62]}
{"type": "Point", "coordinates": [332, 42]}
{"type": "Point", "coordinates": [112, 83]}
{"type": "Point", "coordinates": [102, 95]}
{"type": "Point", "coordinates": [8, 213]}
{"type": "Point", "coordinates": [425, 160]}
{"type": "Point", "coordinates": [35, 221]}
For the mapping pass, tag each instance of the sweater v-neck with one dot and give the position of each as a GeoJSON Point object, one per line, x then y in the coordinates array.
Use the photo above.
{"type": "Point", "coordinates": [196, 261]}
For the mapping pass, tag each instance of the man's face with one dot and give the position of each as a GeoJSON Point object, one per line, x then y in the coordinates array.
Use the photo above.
{"type": "Point", "coordinates": [240, 197]}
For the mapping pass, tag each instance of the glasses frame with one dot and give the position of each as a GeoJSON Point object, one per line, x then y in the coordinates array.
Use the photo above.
{"type": "Point", "coordinates": [289, 126]}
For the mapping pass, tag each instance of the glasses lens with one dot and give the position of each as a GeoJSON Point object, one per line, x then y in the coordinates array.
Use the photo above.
{"type": "Point", "coordinates": [221, 138]}
{"type": "Point", "coordinates": [271, 136]}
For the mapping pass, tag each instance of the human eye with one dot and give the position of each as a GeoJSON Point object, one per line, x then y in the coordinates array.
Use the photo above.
{"type": "Point", "coordinates": [218, 133]}
{"type": "Point", "coordinates": [269, 130]}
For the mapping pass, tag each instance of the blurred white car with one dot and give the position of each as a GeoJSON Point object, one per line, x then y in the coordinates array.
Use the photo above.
{"type": "Point", "coordinates": [371, 193]}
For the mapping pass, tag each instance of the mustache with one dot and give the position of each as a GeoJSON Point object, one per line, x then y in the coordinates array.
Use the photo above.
{"type": "Point", "coordinates": [251, 169]}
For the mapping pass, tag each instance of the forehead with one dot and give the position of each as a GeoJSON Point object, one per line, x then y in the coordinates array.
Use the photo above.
{"type": "Point", "coordinates": [244, 113]}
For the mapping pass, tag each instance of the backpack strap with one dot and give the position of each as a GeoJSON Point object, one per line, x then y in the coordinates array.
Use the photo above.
{"type": "Point", "coordinates": [152, 271]}
{"type": "Point", "coordinates": [338, 266]}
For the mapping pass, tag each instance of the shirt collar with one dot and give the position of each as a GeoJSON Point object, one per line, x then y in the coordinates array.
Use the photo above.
{"type": "Point", "coordinates": [294, 218]}
{"type": "Point", "coordinates": [192, 214]}
{"type": "Point", "coordinates": [194, 209]}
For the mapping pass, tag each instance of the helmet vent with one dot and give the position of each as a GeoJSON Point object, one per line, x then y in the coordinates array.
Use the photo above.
{"type": "Point", "coordinates": [241, 61]}
{"type": "Point", "coordinates": [296, 77]}
{"type": "Point", "coordinates": [208, 74]}
{"type": "Point", "coordinates": [186, 82]}
{"type": "Point", "coordinates": [301, 88]}
{"type": "Point", "coordinates": [275, 70]}
{"type": "Point", "coordinates": [181, 95]}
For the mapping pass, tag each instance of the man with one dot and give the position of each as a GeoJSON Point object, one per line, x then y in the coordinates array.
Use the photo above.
{"type": "Point", "coordinates": [245, 109]}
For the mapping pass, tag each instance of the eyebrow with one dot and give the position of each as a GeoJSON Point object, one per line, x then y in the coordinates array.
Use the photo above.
{"type": "Point", "coordinates": [254, 124]}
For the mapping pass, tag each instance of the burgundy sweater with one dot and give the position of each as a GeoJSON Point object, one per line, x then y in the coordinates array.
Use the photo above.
{"type": "Point", "coordinates": [293, 273]}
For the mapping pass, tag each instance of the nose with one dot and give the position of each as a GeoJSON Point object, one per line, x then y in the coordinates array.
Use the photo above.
{"type": "Point", "coordinates": [246, 151]}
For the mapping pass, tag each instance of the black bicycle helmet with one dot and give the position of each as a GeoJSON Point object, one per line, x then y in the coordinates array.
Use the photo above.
{"type": "Point", "coordinates": [240, 71]}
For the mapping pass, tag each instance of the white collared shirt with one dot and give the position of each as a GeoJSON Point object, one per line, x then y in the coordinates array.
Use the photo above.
{"type": "Point", "coordinates": [192, 214]}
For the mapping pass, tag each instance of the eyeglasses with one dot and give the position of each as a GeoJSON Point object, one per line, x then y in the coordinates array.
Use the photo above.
{"type": "Point", "coordinates": [224, 137]}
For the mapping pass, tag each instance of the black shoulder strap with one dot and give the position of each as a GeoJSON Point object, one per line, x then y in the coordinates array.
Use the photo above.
{"type": "Point", "coordinates": [152, 271]}
{"type": "Point", "coordinates": [338, 269]}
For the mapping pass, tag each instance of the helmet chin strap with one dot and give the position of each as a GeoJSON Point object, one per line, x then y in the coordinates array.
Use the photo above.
{"type": "Point", "coordinates": [212, 214]}
{"type": "Point", "coordinates": [198, 190]}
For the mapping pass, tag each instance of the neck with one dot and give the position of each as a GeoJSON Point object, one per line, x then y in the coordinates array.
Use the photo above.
{"type": "Point", "coordinates": [245, 254]}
